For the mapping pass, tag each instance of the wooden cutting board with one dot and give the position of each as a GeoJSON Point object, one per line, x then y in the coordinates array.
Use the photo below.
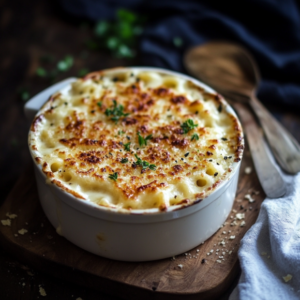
{"type": "Point", "coordinates": [191, 275]}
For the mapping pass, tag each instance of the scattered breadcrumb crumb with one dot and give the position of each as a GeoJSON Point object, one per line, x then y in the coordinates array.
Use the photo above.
{"type": "Point", "coordinates": [180, 266]}
{"type": "Point", "coordinates": [222, 243]}
{"type": "Point", "coordinates": [6, 222]}
{"type": "Point", "coordinates": [219, 261]}
{"type": "Point", "coordinates": [11, 216]}
{"type": "Point", "coordinates": [248, 170]}
{"type": "Point", "coordinates": [287, 278]}
{"type": "Point", "coordinates": [42, 291]}
{"type": "Point", "coordinates": [240, 216]}
{"type": "Point", "coordinates": [243, 223]}
{"type": "Point", "coordinates": [229, 252]}
{"type": "Point", "coordinates": [232, 237]}
{"type": "Point", "coordinates": [249, 198]}
{"type": "Point", "coordinates": [22, 231]}
{"type": "Point", "coordinates": [234, 223]}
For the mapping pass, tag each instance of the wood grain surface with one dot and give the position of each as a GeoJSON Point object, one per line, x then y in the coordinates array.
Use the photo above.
{"type": "Point", "coordinates": [201, 276]}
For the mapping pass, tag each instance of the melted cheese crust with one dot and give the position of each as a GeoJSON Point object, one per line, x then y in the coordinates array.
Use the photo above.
{"type": "Point", "coordinates": [83, 144]}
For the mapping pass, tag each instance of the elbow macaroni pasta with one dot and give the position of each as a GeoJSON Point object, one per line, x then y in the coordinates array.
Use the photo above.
{"type": "Point", "coordinates": [134, 139]}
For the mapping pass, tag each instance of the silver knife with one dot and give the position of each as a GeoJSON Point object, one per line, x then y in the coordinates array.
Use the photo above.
{"type": "Point", "coordinates": [267, 172]}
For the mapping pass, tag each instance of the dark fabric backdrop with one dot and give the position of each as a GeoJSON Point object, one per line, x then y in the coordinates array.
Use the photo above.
{"type": "Point", "coordinates": [269, 29]}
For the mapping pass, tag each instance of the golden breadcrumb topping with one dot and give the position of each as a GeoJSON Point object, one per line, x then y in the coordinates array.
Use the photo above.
{"type": "Point", "coordinates": [134, 139]}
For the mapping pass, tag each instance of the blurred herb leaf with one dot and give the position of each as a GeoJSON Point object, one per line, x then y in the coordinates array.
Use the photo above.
{"type": "Point", "coordinates": [41, 72]}
{"type": "Point", "coordinates": [65, 64]}
{"type": "Point", "coordinates": [177, 41]}
{"type": "Point", "coordinates": [101, 28]}
{"type": "Point", "coordinates": [83, 72]}
{"type": "Point", "coordinates": [24, 94]}
{"type": "Point", "coordinates": [119, 36]}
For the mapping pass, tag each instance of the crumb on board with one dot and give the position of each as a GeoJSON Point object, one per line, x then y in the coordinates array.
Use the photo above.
{"type": "Point", "coordinates": [249, 198]}
{"type": "Point", "coordinates": [42, 291]}
{"type": "Point", "coordinates": [180, 266]}
{"type": "Point", "coordinates": [219, 261]}
{"type": "Point", "coordinates": [11, 216]}
{"type": "Point", "coordinates": [232, 237]}
{"type": "Point", "coordinates": [6, 222]}
{"type": "Point", "coordinates": [240, 216]}
{"type": "Point", "coordinates": [287, 278]}
{"type": "Point", "coordinates": [22, 231]}
{"type": "Point", "coordinates": [243, 223]}
{"type": "Point", "coordinates": [248, 170]}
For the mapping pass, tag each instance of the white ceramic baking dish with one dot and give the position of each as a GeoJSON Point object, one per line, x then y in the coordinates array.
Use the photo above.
{"type": "Point", "coordinates": [139, 235]}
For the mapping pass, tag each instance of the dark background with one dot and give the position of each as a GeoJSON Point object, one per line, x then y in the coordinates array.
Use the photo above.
{"type": "Point", "coordinates": [28, 31]}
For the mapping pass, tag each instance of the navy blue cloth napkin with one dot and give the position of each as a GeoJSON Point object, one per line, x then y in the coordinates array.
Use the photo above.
{"type": "Point", "coordinates": [270, 30]}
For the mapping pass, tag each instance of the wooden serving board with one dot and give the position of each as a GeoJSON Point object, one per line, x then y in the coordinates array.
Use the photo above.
{"type": "Point", "coordinates": [186, 277]}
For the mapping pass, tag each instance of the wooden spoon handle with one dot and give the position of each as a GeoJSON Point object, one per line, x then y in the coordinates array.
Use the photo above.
{"type": "Point", "coordinates": [283, 145]}
{"type": "Point", "coordinates": [268, 175]}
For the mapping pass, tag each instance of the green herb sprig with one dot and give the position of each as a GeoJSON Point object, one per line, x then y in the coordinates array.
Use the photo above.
{"type": "Point", "coordinates": [195, 137]}
{"type": "Point", "coordinates": [143, 141]}
{"type": "Point", "coordinates": [113, 176]}
{"type": "Point", "coordinates": [124, 160]}
{"type": "Point", "coordinates": [116, 111]}
{"type": "Point", "coordinates": [127, 146]}
{"type": "Point", "coordinates": [188, 125]}
{"type": "Point", "coordinates": [144, 164]}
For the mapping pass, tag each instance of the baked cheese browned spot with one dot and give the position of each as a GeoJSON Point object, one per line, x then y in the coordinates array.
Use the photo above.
{"type": "Point", "coordinates": [130, 139]}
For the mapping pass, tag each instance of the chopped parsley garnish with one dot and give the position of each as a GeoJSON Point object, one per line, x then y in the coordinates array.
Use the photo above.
{"type": "Point", "coordinates": [127, 146]}
{"type": "Point", "coordinates": [113, 176]}
{"type": "Point", "coordinates": [143, 141]}
{"type": "Point", "coordinates": [124, 160]}
{"type": "Point", "coordinates": [99, 104]}
{"type": "Point", "coordinates": [120, 132]}
{"type": "Point", "coordinates": [116, 111]}
{"type": "Point", "coordinates": [195, 137]}
{"type": "Point", "coordinates": [187, 154]}
{"type": "Point", "coordinates": [188, 125]}
{"type": "Point", "coordinates": [223, 139]}
{"type": "Point", "coordinates": [144, 164]}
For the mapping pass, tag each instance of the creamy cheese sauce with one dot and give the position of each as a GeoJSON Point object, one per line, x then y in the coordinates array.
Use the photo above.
{"type": "Point", "coordinates": [130, 139]}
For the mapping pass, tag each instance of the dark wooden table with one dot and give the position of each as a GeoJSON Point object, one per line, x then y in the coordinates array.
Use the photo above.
{"type": "Point", "coordinates": [30, 30]}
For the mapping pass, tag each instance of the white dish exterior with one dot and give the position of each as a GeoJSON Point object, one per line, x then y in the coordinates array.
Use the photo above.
{"type": "Point", "coordinates": [139, 235]}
